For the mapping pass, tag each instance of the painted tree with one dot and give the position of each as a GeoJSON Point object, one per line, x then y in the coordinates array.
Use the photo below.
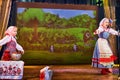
{"type": "Point", "coordinates": [33, 18]}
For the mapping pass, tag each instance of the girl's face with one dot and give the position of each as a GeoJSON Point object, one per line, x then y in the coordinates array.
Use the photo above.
{"type": "Point", "coordinates": [14, 32]}
{"type": "Point", "coordinates": [106, 23]}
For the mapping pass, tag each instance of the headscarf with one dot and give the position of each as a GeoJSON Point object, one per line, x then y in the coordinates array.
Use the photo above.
{"type": "Point", "coordinates": [9, 30]}
{"type": "Point", "coordinates": [102, 21]}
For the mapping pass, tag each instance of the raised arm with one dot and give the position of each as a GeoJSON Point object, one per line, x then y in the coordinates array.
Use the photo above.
{"type": "Point", "coordinates": [114, 32]}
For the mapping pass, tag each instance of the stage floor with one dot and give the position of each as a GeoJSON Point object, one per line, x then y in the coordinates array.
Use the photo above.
{"type": "Point", "coordinates": [69, 72]}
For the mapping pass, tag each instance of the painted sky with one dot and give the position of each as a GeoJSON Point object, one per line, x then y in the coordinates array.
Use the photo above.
{"type": "Point", "coordinates": [65, 13]}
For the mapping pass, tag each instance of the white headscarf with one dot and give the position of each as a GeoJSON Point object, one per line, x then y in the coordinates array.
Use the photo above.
{"type": "Point", "coordinates": [9, 30]}
{"type": "Point", "coordinates": [102, 21]}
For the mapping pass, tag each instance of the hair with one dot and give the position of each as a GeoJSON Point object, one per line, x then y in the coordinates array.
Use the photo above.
{"type": "Point", "coordinates": [9, 30]}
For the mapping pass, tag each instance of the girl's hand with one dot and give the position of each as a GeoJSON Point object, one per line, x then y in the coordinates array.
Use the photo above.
{"type": "Point", "coordinates": [20, 52]}
{"type": "Point", "coordinates": [96, 32]}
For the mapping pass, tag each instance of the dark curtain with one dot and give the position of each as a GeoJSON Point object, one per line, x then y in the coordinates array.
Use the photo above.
{"type": "Point", "coordinates": [13, 12]}
{"type": "Point", "coordinates": [100, 14]}
{"type": "Point", "coordinates": [60, 1]}
{"type": "Point", "coordinates": [117, 13]}
{"type": "Point", "coordinates": [117, 16]}
{"type": "Point", "coordinates": [92, 2]}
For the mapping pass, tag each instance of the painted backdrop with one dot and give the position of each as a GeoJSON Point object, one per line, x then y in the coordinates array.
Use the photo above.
{"type": "Point", "coordinates": [56, 36]}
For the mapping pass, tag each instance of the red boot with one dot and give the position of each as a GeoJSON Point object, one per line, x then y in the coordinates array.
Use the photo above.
{"type": "Point", "coordinates": [108, 70]}
{"type": "Point", "coordinates": [104, 72]}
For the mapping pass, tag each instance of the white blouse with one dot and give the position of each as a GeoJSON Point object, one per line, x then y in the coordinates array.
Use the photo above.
{"type": "Point", "coordinates": [7, 39]}
{"type": "Point", "coordinates": [110, 30]}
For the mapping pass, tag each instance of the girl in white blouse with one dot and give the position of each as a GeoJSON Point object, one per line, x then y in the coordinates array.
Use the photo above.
{"type": "Point", "coordinates": [11, 44]}
{"type": "Point", "coordinates": [103, 56]}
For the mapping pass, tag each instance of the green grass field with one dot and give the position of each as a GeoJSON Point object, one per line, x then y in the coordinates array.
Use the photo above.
{"type": "Point", "coordinates": [49, 58]}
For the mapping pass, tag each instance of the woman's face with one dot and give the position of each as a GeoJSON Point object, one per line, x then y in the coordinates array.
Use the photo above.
{"type": "Point", "coordinates": [14, 32]}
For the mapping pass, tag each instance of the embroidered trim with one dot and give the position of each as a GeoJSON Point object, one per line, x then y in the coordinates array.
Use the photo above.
{"type": "Point", "coordinates": [107, 60]}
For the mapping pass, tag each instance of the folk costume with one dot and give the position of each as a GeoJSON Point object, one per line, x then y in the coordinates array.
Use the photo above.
{"type": "Point", "coordinates": [103, 56]}
{"type": "Point", "coordinates": [11, 45]}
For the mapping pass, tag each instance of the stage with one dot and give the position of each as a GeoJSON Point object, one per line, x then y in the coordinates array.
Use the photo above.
{"type": "Point", "coordinates": [69, 72]}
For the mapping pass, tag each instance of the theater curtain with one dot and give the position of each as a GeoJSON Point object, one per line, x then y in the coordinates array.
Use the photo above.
{"type": "Point", "coordinates": [109, 12]}
{"type": "Point", "coordinates": [5, 6]}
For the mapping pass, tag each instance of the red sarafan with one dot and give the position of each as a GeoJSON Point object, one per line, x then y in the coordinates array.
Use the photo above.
{"type": "Point", "coordinates": [6, 55]}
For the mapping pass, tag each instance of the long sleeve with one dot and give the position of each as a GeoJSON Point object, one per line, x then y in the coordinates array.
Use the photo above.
{"type": "Point", "coordinates": [112, 31]}
{"type": "Point", "coordinates": [99, 30]}
{"type": "Point", "coordinates": [19, 47]}
{"type": "Point", "coordinates": [5, 40]}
